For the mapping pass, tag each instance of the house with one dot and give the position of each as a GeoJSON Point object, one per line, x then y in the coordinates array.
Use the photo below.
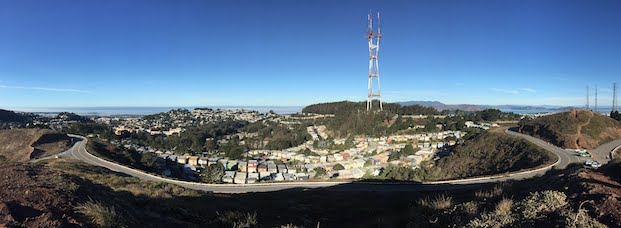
{"type": "Point", "coordinates": [193, 160]}
{"type": "Point", "coordinates": [212, 161]}
{"type": "Point", "coordinates": [291, 169]}
{"type": "Point", "coordinates": [203, 161]}
{"type": "Point", "coordinates": [182, 160]}
{"type": "Point", "coordinates": [252, 178]}
{"type": "Point", "coordinates": [265, 176]}
{"type": "Point", "coordinates": [242, 166]}
{"type": "Point", "coordinates": [228, 176]}
{"type": "Point", "coordinates": [262, 168]}
{"type": "Point", "coordinates": [282, 169]}
{"type": "Point", "coordinates": [231, 165]}
{"type": "Point", "coordinates": [252, 166]}
{"type": "Point", "coordinates": [240, 178]}
{"type": "Point", "coordinates": [272, 168]}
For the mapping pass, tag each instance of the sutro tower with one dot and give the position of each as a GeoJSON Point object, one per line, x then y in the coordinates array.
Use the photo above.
{"type": "Point", "coordinates": [614, 96]}
{"type": "Point", "coordinates": [374, 41]}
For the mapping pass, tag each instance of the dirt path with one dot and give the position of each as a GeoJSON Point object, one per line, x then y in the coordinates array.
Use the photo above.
{"type": "Point", "coordinates": [579, 131]}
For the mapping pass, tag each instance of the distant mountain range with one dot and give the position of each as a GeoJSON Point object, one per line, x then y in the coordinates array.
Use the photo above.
{"type": "Point", "coordinates": [472, 107]}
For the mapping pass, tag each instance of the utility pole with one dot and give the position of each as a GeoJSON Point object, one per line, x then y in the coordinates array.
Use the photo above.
{"type": "Point", "coordinates": [374, 41]}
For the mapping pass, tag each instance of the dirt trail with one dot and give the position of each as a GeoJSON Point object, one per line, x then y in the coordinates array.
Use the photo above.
{"type": "Point", "coordinates": [579, 131]}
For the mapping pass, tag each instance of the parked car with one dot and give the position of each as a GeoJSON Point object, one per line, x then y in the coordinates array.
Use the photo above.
{"type": "Point", "coordinates": [596, 164]}
{"type": "Point", "coordinates": [584, 155]}
{"type": "Point", "coordinates": [588, 162]}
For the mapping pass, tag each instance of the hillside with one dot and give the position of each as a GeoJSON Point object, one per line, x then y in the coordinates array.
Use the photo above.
{"type": "Point", "coordinates": [70, 193]}
{"type": "Point", "coordinates": [25, 144]}
{"type": "Point", "coordinates": [573, 129]}
{"type": "Point", "coordinates": [488, 154]}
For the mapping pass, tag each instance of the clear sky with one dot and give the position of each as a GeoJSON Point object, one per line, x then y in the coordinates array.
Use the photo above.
{"type": "Point", "coordinates": [200, 53]}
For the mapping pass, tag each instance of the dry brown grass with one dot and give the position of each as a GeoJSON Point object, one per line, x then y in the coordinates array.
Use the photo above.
{"type": "Point", "coordinates": [440, 202]}
{"type": "Point", "coordinates": [504, 207]}
{"type": "Point", "coordinates": [495, 192]}
{"type": "Point", "coordinates": [99, 214]}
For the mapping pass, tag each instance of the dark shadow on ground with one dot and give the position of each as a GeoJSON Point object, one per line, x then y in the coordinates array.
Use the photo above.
{"type": "Point", "coordinates": [356, 204]}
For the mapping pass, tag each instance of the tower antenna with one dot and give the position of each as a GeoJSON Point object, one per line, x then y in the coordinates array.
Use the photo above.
{"type": "Point", "coordinates": [595, 109]}
{"type": "Point", "coordinates": [614, 96]}
{"type": "Point", "coordinates": [587, 97]}
{"type": "Point", "coordinates": [374, 42]}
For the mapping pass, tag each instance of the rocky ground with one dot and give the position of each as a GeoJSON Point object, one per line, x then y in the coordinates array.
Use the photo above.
{"type": "Point", "coordinates": [34, 196]}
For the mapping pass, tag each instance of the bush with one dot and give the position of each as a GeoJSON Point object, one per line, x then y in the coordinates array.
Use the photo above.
{"type": "Point", "coordinates": [239, 219]}
{"type": "Point", "coordinates": [538, 204]}
{"type": "Point", "coordinates": [440, 202]}
{"type": "Point", "coordinates": [319, 172]}
{"type": "Point", "coordinates": [504, 207]}
{"type": "Point", "coordinates": [338, 167]}
{"type": "Point", "coordinates": [213, 173]}
{"type": "Point", "coordinates": [496, 191]}
{"type": "Point", "coordinates": [99, 214]}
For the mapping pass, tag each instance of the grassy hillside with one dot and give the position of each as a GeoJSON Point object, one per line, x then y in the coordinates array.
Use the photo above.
{"type": "Point", "coordinates": [574, 129]}
{"type": "Point", "coordinates": [487, 154]}
{"type": "Point", "coordinates": [67, 192]}
{"type": "Point", "coordinates": [24, 144]}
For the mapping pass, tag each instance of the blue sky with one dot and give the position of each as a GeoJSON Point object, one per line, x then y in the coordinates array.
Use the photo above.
{"type": "Point", "coordinates": [199, 53]}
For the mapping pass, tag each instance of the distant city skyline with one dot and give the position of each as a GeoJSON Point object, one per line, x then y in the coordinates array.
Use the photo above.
{"type": "Point", "coordinates": [73, 53]}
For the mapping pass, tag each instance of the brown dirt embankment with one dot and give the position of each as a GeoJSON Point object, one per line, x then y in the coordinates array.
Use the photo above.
{"type": "Point", "coordinates": [18, 145]}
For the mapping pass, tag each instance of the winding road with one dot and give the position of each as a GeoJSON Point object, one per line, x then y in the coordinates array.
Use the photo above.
{"type": "Point", "coordinates": [78, 151]}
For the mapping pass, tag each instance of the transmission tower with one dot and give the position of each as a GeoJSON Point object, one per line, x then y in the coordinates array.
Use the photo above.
{"type": "Point", "coordinates": [587, 98]}
{"type": "Point", "coordinates": [614, 96]}
{"type": "Point", "coordinates": [374, 41]}
{"type": "Point", "coordinates": [595, 109]}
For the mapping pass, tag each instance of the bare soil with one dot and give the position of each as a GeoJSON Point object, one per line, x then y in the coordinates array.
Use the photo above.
{"type": "Point", "coordinates": [31, 196]}
{"type": "Point", "coordinates": [24, 144]}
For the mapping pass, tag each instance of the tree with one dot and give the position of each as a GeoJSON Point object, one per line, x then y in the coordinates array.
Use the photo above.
{"type": "Point", "coordinates": [368, 163]}
{"type": "Point", "coordinates": [408, 150]}
{"type": "Point", "coordinates": [213, 173]}
{"type": "Point", "coordinates": [431, 127]}
{"type": "Point", "coordinates": [319, 172]}
{"type": "Point", "coordinates": [148, 159]}
{"type": "Point", "coordinates": [338, 167]}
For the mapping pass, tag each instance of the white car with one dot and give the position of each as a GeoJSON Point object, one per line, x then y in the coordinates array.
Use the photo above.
{"type": "Point", "coordinates": [596, 164]}
{"type": "Point", "coordinates": [588, 162]}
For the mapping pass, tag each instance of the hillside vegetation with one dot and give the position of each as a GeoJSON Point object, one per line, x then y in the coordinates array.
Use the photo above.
{"type": "Point", "coordinates": [71, 193]}
{"type": "Point", "coordinates": [574, 129]}
{"type": "Point", "coordinates": [488, 154]}
{"type": "Point", "coordinates": [25, 144]}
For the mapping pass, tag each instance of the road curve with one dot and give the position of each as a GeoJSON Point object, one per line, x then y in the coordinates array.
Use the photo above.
{"type": "Point", "coordinates": [78, 151]}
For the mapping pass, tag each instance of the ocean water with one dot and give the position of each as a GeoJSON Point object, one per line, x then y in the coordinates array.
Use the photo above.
{"type": "Point", "coordinates": [141, 111]}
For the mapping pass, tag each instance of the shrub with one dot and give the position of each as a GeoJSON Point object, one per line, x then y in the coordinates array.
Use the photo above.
{"type": "Point", "coordinates": [319, 171]}
{"type": "Point", "coordinates": [338, 167]}
{"type": "Point", "coordinates": [496, 191]}
{"type": "Point", "coordinates": [99, 214]}
{"type": "Point", "coordinates": [439, 202]}
{"type": "Point", "coordinates": [538, 204]}
{"type": "Point", "coordinates": [239, 219]}
{"type": "Point", "coordinates": [504, 207]}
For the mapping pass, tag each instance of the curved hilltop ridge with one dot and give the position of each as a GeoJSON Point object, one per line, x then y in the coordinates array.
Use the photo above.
{"type": "Point", "coordinates": [25, 144]}
{"type": "Point", "coordinates": [575, 129]}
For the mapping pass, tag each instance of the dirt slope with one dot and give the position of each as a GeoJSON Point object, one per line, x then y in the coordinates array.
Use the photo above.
{"type": "Point", "coordinates": [31, 196]}
{"type": "Point", "coordinates": [574, 129]}
{"type": "Point", "coordinates": [25, 144]}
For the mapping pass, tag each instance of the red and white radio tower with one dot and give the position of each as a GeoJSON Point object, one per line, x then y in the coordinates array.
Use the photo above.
{"type": "Point", "coordinates": [374, 41]}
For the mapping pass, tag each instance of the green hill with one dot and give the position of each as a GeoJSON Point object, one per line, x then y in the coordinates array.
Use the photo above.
{"type": "Point", "coordinates": [488, 154]}
{"type": "Point", "coordinates": [573, 129]}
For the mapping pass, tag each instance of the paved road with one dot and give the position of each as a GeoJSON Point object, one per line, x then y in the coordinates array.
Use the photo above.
{"type": "Point", "coordinates": [565, 157]}
{"type": "Point", "coordinates": [78, 151]}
